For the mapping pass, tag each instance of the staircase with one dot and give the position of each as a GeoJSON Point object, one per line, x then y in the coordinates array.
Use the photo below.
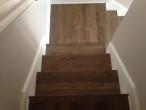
{"type": "Point", "coordinates": [76, 72]}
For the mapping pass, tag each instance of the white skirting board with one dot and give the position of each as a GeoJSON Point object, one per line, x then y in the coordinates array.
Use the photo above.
{"type": "Point", "coordinates": [30, 83]}
{"type": "Point", "coordinates": [127, 85]}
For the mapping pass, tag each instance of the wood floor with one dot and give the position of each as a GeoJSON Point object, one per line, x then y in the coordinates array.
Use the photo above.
{"type": "Point", "coordinates": [78, 23]}
{"type": "Point", "coordinates": [76, 72]}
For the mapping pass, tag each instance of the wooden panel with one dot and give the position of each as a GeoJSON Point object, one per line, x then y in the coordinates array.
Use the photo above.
{"type": "Point", "coordinates": [80, 23]}
{"type": "Point", "coordinates": [81, 98]}
{"type": "Point", "coordinates": [112, 22]}
{"type": "Point", "coordinates": [102, 102]}
{"type": "Point", "coordinates": [74, 77]}
{"type": "Point", "coordinates": [75, 49]}
{"type": "Point", "coordinates": [80, 88]}
{"type": "Point", "coordinates": [76, 63]}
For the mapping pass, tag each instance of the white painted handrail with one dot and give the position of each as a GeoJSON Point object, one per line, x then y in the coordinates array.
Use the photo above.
{"type": "Point", "coordinates": [4, 23]}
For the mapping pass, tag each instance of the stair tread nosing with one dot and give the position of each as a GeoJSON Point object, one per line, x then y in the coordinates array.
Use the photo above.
{"type": "Point", "coordinates": [106, 97]}
{"type": "Point", "coordinates": [75, 48]}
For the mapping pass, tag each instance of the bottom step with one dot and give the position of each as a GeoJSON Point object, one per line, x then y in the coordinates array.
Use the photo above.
{"type": "Point", "coordinates": [95, 102]}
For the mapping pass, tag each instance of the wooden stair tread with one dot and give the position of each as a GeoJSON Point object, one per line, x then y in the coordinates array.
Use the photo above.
{"type": "Point", "coordinates": [75, 49]}
{"type": "Point", "coordinates": [105, 97]}
{"type": "Point", "coordinates": [76, 63]}
{"type": "Point", "coordinates": [78, 23]}
{"type": "Point", "coordinates": [91, 102]}
{"type": "Point", "coordinates": [82, 88]}
{"type": "Point", "coordinates": [72, 77]}
{"type": "Point", "coordinates": [112, 22]}
{"type": "Point", "coordinates": [77, 83]}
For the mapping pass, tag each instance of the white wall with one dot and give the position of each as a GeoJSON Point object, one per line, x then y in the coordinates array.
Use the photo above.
{"type": "Point", "coordinates": [125, 3]}
{"type": "Point", "coordinates": [7, 6]}
{"type": "Point", "coordinates": [20, 44]}
{"type": "Point", "coordinates": [76, 1]}
{"type": "Point", "coordinates": [130, 43]}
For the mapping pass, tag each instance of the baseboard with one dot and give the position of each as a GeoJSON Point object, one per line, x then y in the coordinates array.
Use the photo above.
{"type": "Point", "coordinates": [114, 5]}
{"type": "Point", "coordinates": [30, 83]}
{"type": "Point", "coordinates": [127, 85]}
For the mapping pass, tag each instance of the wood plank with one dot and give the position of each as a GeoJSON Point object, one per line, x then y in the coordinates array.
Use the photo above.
{"type": "Point", "coordinates": [112, 22]}
{"type": "Point", "coordinates": [75, 49]}
{"type": "Point", "coordinates": [78, 23]}
{"type": "Point", "coordinates": [75, 77]}
{"type": "Point", "coordinates": [81, 98]}
{"type": "Point", "coordinates": [91, 102]}
{"type": "Point", "coordinates": [76, 63]}
{"type": "Point", "coordinates": [80, 88]}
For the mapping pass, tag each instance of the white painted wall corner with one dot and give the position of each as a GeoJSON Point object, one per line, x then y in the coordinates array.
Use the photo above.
{"type": "Point", "coordinates": [30, 83]}
{"type": "Point", "coordinates": [127, 85]}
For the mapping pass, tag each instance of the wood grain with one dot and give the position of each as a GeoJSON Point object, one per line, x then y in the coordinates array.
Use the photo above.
{"type": "Point", "coordinates": [94, 102]}
{"type": "Point", "coordinates": [75, 49]}
{"type": "Point", "coordinates": [76, 63]}
{"type": "Point", "coordinates": [112, 22]}
{"type": "Point", "coordinates": [80, 23]}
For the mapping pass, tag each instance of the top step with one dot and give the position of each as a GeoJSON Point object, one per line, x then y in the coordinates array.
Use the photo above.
{"type": "Point", "coordinates": [78, 23]}
{"type": "Point", "coordinates": [75, 49]}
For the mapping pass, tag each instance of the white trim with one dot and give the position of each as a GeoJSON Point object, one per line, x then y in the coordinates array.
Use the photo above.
{"type": "Point", "coordinates": [126, 83]}
{"type": "Point", "coordinates": [122, 65]}
{"type": "Point", "coordinates": [76, 2]}
{"type": "Point", "coordinates": [15, 14]}
{"type": "Point", "coordinates": [31, 76]}
{"type": "Point", "coordinates": [118, 4]}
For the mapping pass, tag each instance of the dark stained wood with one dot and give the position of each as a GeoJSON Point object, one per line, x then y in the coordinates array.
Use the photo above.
{"type": "Point", "coordinates": [75, 49]}
{"type": "Point", "coordinates": [79, 88]}
{"type": "Point", "coordinates": [112, 22]}
{"type": "Point", "coordinates": [74, 77]}
{"type": "Point", "coordinates": [78, 23]}
{"type": "Point", "coordinates": [120, 18]}
{"type": "Point", "coordinates": [76, 63]}
{"type": "Point", "coordinates": [101, 102]}
{"type": "Point", "coordinates": [77, 83]}
{"type": "Point", "coordinates": [81, 98]}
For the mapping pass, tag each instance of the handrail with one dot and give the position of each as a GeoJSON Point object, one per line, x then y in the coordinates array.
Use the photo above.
{"type": "Point", "coordinates": [9, 19]}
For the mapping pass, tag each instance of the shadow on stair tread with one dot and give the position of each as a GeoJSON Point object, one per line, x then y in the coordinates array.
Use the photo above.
{"type": "Point", "coordinates": [90, 102]}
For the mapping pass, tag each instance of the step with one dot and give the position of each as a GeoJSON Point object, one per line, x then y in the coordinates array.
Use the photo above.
{"type": "Point", "coordinates": [91, 102]}
{"type": "Point", "coordinates": [77, 83]}
{"type": "Point", "coordinates": [75, 49]}
{"type": "Point", "coordinates": [112, 23]}
{"type": "Point", "coordinates": [76, 62]}
{"type": "Point", "coordinates": [78, 23]}
{"type": "Point", "coordinates": [74, 77]}
{"type": "Point", "coordinates": [120, 18]}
